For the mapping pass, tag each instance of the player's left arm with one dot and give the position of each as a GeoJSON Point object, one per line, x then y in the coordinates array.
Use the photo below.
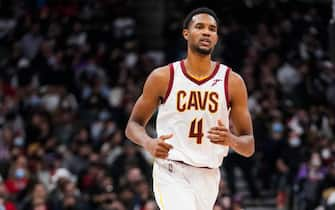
{"type": "Point", "coordinates": [242, 140]}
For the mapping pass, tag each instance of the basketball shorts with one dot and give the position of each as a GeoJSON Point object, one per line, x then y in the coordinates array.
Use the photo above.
{"type": "Point", "coordinates": [178, 186]}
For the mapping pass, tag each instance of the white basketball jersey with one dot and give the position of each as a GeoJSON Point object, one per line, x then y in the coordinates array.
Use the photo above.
{"type": "Point", "coordinates": [190, 108]}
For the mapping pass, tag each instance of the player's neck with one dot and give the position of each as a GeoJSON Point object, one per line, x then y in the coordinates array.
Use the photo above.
{"type": "Point", "coordinates": [199, 66]}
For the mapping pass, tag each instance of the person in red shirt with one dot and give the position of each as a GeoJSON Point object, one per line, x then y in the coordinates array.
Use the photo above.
{"type": "Point", "coordinates": [5, 203]}
{"type": "Point", "coordinates": [18, 176]}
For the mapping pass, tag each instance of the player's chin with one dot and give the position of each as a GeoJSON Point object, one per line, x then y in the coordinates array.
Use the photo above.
{"type": "Point", "coordinates": [204, 50]}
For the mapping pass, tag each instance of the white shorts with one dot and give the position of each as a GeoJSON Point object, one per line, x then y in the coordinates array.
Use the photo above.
{"type": "Point", "coordinates": [181, 187]}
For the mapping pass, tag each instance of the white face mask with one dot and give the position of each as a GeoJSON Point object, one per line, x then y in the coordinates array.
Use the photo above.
{"type": "Point", "coordinates": [325, 153]}
{"type": "Point", "coordinates": [19, 141]}
{"type": "Point", "coordinates": [51, 102]}
{"type": "Point", "coordinates": [294, 142]}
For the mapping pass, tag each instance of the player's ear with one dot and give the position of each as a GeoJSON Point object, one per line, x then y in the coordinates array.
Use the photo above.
{"type": "Point", "coordinates": [186, 33]}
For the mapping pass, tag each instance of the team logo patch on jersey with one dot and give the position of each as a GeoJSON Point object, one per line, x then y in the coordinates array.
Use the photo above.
{"type": "Point", "coordinates": [216, 81]}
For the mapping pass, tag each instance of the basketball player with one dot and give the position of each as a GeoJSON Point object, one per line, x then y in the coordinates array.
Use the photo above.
{"type": "Point", "coordinates": [195, 98]}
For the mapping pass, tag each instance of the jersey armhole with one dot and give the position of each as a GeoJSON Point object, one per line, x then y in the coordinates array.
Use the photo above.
{"type": "Point", "coordinates": [226, 87]}
{"type": "Point", "coordinates": [167, 93]}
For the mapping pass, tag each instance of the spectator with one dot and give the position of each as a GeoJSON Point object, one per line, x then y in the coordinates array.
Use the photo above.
{"type": "Point", "coordinates": [5, 200]}
{"type": "Point", "coordinates": [37, 199]}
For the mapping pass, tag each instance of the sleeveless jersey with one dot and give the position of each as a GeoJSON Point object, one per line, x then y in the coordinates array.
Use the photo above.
{"type": "Point", "coordinates": [188, 111]}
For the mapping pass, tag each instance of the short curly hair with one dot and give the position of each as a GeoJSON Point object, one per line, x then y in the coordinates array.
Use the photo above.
{"type": "Point", "coordinates": [200, 10]}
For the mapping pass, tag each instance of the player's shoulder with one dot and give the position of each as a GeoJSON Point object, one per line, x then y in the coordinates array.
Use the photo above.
{"type": "Point", "coordinates": [162, 72]}
{"type": "Point", "coordinates": [158, 79]}
{"type": "Point", "coordinates": [234, 77]}
{"type": "Point", "coordinates": [236, 83]}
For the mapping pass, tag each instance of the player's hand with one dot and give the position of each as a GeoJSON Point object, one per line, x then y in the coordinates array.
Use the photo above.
{"type": "Point", "coordinates": [220, 135]}
{"type": "Point", "coordinates": [158, 147]}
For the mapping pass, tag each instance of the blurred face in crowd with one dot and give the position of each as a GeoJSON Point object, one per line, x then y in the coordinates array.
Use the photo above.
{"type": "Point", "coordinates": [39, 191]}
{"type": "Point", "coordinates": [126, 195]}
{"type": "Point", "coordinates": [7, 135]}
{"type": "Point", "coordinates": [134, 175]}
{"type": "Point", "coordinates": [70, 189]}
{"type": "Point", "coordinates": [116, 205]}
{"type": "Point", "coordinates": [150, 205]}
{"type": "Point", "coordinates": [130, 150]}
{"type": "Point", "coordinates": [217, 207]}
{"type": "Point", "coordinates": [3, 190]}
{"type": "Point", "coordinates": [201, 34]}
{"type": "Point", "coordinates": [294, 139]}
{"type": "Point", "coordinates": [20, 167]}
{"type": "Point", "coordinates": [315, 160]}
{"type": "Point", "coordinates": [39, 204]}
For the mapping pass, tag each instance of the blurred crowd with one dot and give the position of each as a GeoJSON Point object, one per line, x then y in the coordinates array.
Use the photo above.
{"type": "Point", "coordinates": [70, 72]}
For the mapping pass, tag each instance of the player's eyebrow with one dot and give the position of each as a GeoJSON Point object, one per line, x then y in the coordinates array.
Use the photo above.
{"type": "Point", "coordinates": [202, 23]}
{"type": "Point", "coordinates": [199, 24]}
{"type": "Point", "coordinates": [213, 26]}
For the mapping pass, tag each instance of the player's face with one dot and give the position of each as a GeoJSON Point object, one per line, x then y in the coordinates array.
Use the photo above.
{"type": "Point", "coordinates": [201, 34]}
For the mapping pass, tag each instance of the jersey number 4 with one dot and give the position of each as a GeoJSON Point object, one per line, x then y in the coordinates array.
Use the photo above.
{"type": "Point", "coordinates": [196, 130]}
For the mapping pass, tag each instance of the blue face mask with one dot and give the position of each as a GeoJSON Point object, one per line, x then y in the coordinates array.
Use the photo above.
{"type": "Point", "coordinates": [19, 173]}
{"type": "Point", "coordinates": [277, 127]}
{"type": "Point", "coordinates": [19, 141]}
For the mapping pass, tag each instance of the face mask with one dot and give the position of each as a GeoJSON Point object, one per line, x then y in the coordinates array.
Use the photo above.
{"type": "Point", "coordinates": [277, 127]}
{"type": "Point", "coordinates": [294, 142]}
{"type": "Point", "coordinates": [51, 102]}
{"type": "Point", "coordinates": [19, 173]}
{"type": "Point", "coordinates": [325, 153]}
{"type": "Point", "coordinates": [19, 141]}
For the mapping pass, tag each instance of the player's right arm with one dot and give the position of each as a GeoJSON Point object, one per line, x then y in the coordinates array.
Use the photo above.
{"type": "Point", "coordinates": [154, 90]}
